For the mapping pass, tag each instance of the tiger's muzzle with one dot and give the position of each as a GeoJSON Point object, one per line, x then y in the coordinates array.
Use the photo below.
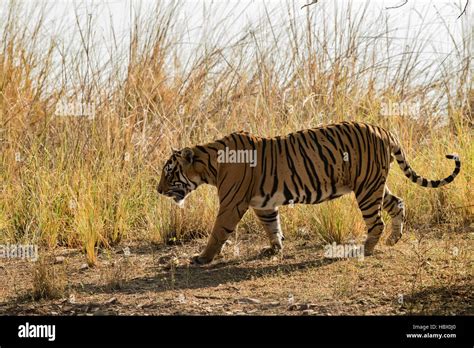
{"type": "Point", "coordinates": [177, 194]}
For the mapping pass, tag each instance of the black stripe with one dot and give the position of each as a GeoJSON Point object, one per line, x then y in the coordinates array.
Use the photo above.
{"type": "Point", "coordinates": [357, 128]}
{"type": "Point", "coordinates": [368, 204]}
{"type": "Point", "coordinates": [321, 154]}
{"type": "Point", "coordinates": [291, 166]}
{"type": "Point", "coordinates": [286, 193]}
{"type": "Point", "coordinates": [265, 201]}
{"type": "Point", "coordinates": [341, 142]}
{"type": "Point", "coordinates": [278, 141]}
{"type": "Point", "coordinates": [227, 229]}
{"type": "Point", "coordinates": [272, 214]}
{"type": "Point", "coordinates": [389, 201]}
{"type": "Point", "coordinates": [308, 164]}
{"type": "Point", "coordinates": [368, 216]}
{"type": "Point", "coordinates": [267, 220]}
{"type": "Point", "coordinates": [330, 154]}
{"type": "Point", "coordinates": [264, 167]}
{"type": "Point", "coordinates": [359, 157]}
{"type": "Point", "coordinates": [348, 135]}
{"type": "Point", "coordinates": [374, 226]}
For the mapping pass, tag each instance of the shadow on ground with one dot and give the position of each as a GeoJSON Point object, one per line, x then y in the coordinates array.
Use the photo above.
{"type": "Point", "coordinates": [442, 300]}
{"type": "Point", "coordinates": [193, 277]}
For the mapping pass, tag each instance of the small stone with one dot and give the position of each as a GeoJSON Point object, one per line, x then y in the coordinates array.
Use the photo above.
{"type": "Point", "coordinates": [59, 259]}
{"type": "Point", "coordinates": [292, 307]}
{"type": "Point", "coordinates": [304, 306]}
{"type": "Point", "coordinates": [164, 260]}
{"type": "Point", "coordinates": [308, 312]}
{"type": "Point", "coordinates": [249, 300]}
{"type": "Point", "coordinates": [174, 262]}
{"type": "Point", "coordinates": [111, 301]}
{"type": "Point", "coordinates": [181, 298]}
{"type": "Point", "coordinates": [83, 267]}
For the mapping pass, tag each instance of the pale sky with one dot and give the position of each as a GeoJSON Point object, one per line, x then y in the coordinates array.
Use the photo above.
{"type": "Point", "coordinates": [436, 19]}
{"type": "Point", "coordinates": [240, 14]}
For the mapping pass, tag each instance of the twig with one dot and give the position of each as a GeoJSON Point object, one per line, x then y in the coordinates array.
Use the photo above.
{"type": "Point", "coordinates": [464, 11]}
{"type": "Point", "coordinates": [208, 297]}
{"type": "Point", "coordinates": [311, 3]}
{"type": "Point", "coordinates": [406, 1]}
{"type": "Point", "coordinates": [398, 6]}
{"type": "Point", "coordinates": [465, 206]}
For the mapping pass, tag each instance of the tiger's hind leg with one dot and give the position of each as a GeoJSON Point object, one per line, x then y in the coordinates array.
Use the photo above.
{"type": "Point", "coordinates": [394, 206]}
{"type": "Point", "coordinates": [270, 220]}
{"type": "Point", "coordinates": [370, 203]}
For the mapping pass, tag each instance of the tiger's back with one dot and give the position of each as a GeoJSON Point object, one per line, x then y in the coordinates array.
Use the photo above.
{"type": "Point", "coordinates": [319, 164]}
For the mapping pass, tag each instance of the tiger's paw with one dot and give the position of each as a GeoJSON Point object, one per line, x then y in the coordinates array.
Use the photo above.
{"type": "Point", "coordinates": [198, 260]}
{"type": "Point", "coordinates": [368, 251]}
{"type": "Point", "coordinates": [270, 251]}
{"type": "Point", "coordinates": [392, 240]}
{"type": "Point", "coordinates": [374, 253]}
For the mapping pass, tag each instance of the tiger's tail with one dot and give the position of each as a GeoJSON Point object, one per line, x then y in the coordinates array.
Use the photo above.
{"type": "Point", "coordinates": [399, 154]}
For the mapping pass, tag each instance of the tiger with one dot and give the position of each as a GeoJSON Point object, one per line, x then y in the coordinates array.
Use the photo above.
{"type": "Point", "coordinates": [309, 166]}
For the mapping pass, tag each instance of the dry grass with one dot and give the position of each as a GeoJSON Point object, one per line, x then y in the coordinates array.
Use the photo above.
{"type": "Point", "coordinates": [49, 280]}
{"type": "Point", "coordinates": [90, 183]}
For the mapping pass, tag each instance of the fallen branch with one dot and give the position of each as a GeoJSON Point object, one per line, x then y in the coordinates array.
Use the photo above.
{"type": "Point", "coordinates": [311, 3]}
{"type": "Point", "coordinates": [464, 11]}
{"type": "Point", "coordinates": [398, 6]}
{"type": "Point", "coordinates": [406, 1]}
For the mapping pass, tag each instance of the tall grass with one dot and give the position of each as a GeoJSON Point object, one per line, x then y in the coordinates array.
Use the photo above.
{"type": "Point", "coordinates": [90, 183]}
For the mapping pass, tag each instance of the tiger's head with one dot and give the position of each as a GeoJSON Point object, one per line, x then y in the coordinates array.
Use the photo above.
{"type": "Point", "coordinates": [179, 176]}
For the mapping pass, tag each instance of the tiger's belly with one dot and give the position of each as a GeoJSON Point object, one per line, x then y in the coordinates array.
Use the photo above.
{"type": "Point", "coordinates": [279, 199]}
{"type": "Point", "coordinates": [260, 202]}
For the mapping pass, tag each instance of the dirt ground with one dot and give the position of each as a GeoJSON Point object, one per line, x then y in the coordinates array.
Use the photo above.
{"type": "Point", "coordinates": [427, 272]}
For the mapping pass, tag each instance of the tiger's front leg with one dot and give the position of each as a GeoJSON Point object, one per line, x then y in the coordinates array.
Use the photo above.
{"type": "Point", "coordinates": [227, 220]}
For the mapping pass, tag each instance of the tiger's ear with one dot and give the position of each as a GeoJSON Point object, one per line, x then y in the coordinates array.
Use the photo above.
{"type": "Point", "coordinates": [187, 154]}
